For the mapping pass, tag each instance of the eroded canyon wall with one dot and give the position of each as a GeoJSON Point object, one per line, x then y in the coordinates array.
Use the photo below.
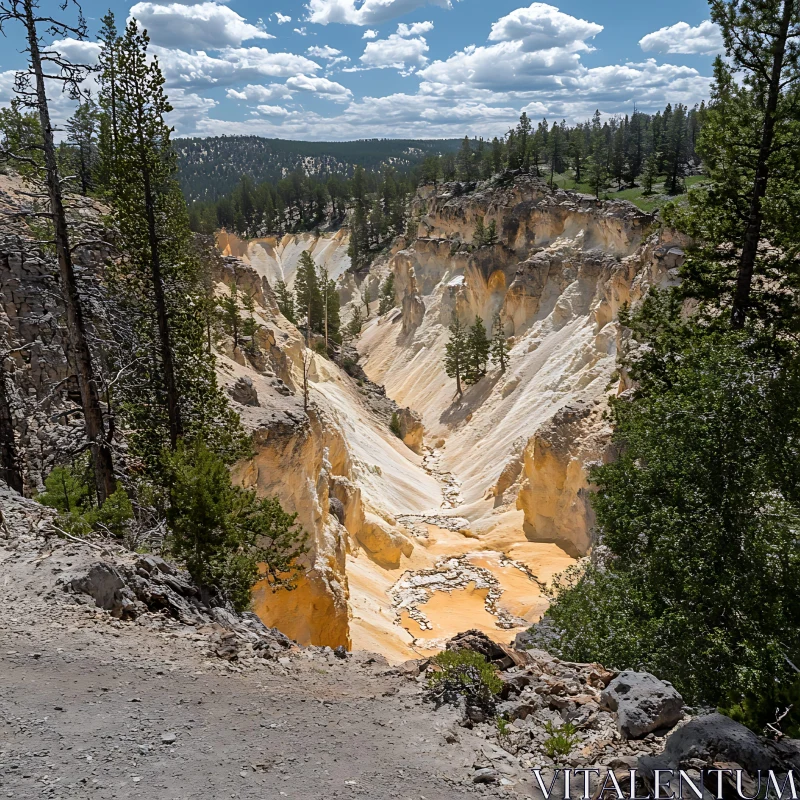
{"type": "Point", "coordinates": [563, 267]}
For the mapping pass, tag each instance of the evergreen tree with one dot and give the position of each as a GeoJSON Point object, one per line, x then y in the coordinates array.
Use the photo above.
{"type": "Point", "coordinates": [676, 150]}
{"type": "Point", "coordinates": [388, 301]}
{"type": "Point", "coordinates": [108, 78]}
{"type": "Point", "coordinates": [490, 238]}
{"type": "Point", "coordinates": [310, 307]}
{"type": "Point", "coordinates": [170, 387]}
{"type": "Point", "coordinates": [597, 169]}
{"type": "Point", "coordinates": [230, 317]}
{"type": "Point", "coordinates": [465, 161]}
{"type": "Point", "coordinates": [479, 235]}
{"type": "Point", "coordinates": [82, 137]}
{"type": "Point", "coordinates": [499, 345]}
{"type": "Point", "coordinates": [478, 347]}
{"type": "Point", "coordinates": [456, 357]}
{"type": "Point", "coordinates": [286, 301]}
{"type": "Point", "coordinates": [356, 323]}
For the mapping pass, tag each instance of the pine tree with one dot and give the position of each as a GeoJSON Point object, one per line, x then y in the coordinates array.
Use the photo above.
{"type": "Point", "coordinates": [490, 238]}
{"type": "Point", "coordinates": [388, 301]}
{"type": "Point", "coordinates": [108, 62]}
{"type": "Point", "coordinates": [676, 150]}
{"type": "Point", "coordinates": [479, 235]}
{"type": "Point", "coordinates": [366, 299]}
{"type": "Point", "coordinates": [332, 305]}
{"type": "Point", "coordinates": [229, 316]}
{"type": "Point", "coordinates": [31, 90]}
{"type": "Point", "coordinates": [82, 137]}
{"type": "Point", "coordinates": [170, 387]}
{"type": "Point", "coordinates": [457, 353]}
{"type": "Point", "coordinates": [356, 323]}
{"type": "Point", "coordinates": [499, 345]}
{"type": "Point", "coordinates": [465, 161]}
{"type": "Point", "coordinates": [478, 346]}
{"type": "Point", "coordinates": [309, 298]}
{"type": "Point", "coordinates": [597, 166]}
{"type": "Point", "coordinates": [286, 301]}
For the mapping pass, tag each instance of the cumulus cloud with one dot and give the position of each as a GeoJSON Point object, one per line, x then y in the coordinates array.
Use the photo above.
{"type": "Point", "coordinates": [414, 29]}
{"type": "Point", "coordinates": [705, 39]}
{"type": "Point", "coordinates": [203, 25]}
{"type": "Point", "coordinates": [325, 52]}
{"type": "Point", "coordinates": [260, 94]}
{"type": "Point", "coordinates": [321, 87]}
{"type": "Point", "coordinates": [544, 27]}
{"type": "Point", "coordinates": [397, 52]}
{"type": "Point", "coordinates": [230, 66]}
{"type": "Point", "coordinates": [370, 34]}
{"type": "Point", "coordinates": [281, 18]}
{"type": "Point", "coordinates": [370, 12]}
{"type": "Point", "coordinates": [272, 111]}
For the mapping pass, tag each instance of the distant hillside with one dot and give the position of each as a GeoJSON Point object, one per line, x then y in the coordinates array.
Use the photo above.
{"type": "Point", "coordinates": [211, 168]}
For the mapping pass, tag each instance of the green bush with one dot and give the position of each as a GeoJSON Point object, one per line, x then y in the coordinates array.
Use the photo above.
{"type": "Point", "coordinates": [699, 515]}
{"type": "Point", "coordinates": [227, 536]}
{"type": "Point", "coordinates": [464, 673]}
{"type": "Point", "coordinates": [394, 425]}
{"type": "Point", "coordinates": [68, 489]}
{"type": "Point", "coordinates": [561, 740]}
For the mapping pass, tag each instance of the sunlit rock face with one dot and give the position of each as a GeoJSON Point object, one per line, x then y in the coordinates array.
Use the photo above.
{"type": "Point", "coordinates": [563, 267]}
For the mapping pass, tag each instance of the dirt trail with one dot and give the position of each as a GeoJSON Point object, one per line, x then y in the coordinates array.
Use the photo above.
{"type": "Point", "coordinates": [93, 707]}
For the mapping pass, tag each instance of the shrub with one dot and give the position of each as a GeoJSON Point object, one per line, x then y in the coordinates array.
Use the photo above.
{"type": "Point", "coordinates": [227, 536]}
{"type": "Point", "coordinates": [561, 740]}
{"type": "Point", "coordinates": [699, 515]}
{"type": "Point", "coordinates": [394, 425]}
{"type": "Point", "coordinates": [467, 674]}
{"type": "Point", "coordinates": [68, 489]}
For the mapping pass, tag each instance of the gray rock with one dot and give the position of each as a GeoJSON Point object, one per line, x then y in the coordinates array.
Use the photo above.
{"type": "Point", "coordinates": [715, 738]}
{"type": "Point", "coordinates": [168, 738]}
{"type": "Point", "coordinates": [336, 507]}
{"type": "Point", "coordinates": [102, 582]}
{"type": "Point", "coordinates": [486, 775]}
{"type": "Point", "coordinates": [244, 392]}
{"type": "Point", "coordinates": [643, 703]}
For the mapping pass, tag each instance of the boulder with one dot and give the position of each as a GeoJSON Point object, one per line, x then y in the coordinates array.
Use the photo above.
{"type": "Point", "coordinates": [717, 739]}
{"type": "Point", "coordinates": [643, 703]}
{"type": "Point", "coordinates": [102, 582]}
{"type": "Point", "coordinates": [244, 392]}
{"type": "Point", "coordinates": [411, 430]}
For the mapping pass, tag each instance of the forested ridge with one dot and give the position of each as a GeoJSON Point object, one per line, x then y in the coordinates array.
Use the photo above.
{"type": "Point", "coordinates": [211, 167]}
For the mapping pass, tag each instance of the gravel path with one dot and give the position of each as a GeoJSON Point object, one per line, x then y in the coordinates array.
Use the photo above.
{"type": "Point", "coordinates": [91, 707]}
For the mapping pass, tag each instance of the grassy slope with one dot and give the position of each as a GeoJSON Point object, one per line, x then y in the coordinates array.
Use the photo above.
{"type": "Point", "coordinates": [647, 203]}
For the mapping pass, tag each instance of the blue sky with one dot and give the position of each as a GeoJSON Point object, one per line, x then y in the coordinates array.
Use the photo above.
{"type": "Point", "coordinates": [349, 69]}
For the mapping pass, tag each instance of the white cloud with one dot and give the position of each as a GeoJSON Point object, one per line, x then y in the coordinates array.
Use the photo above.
{"type": "Point", "coordinates": [321, 87]}
{"type": "Point", "coordinates": [681, 37]}
{"type": "Point", "coordinates": [414, 29]}
{"type": "Point", "coordinates": [272, 111]}
{"type": "Point", "coordinates": [370, 12]}
{"type": "Point", "coordinates": [397, 52]}
{"type": "Point", "coordinates": [281, 18]}
{"type": "Point", "coordinates": [370, 34]}
{"type": "Point", "coordinates": [543, 27]}
{"type": "Point", "coordinates": [325, 52]}
{"type": "Point", "coordinates": [260, 94]}
{"type": "Point", "coordinates": [301, 31]}
{"type": "Point", "coordinates": [195, 27]}
{"type": "Point", "coordinates": [232, 65]}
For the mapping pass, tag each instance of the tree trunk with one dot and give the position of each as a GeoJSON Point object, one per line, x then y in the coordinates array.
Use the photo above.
{"type": "Point", "coordinates": [755, 219]}
{"type": "Point", "coordinates": [164, 335]}
{"type": "Point", "coordinates": [9, 463]}
{"type": "Point", "coordinates": [90, 398]}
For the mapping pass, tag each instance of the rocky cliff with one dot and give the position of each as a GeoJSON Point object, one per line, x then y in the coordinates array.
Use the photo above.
{"type": "Point", "coordinates": [564, 265]}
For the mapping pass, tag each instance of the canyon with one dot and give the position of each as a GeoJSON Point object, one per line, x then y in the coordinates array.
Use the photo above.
{"type": "Point", "coordinates": [464, 521]}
